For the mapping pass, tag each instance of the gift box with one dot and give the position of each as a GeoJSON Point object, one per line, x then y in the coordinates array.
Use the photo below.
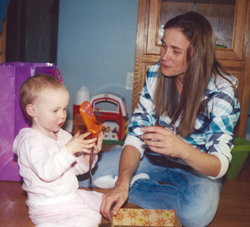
{"type": "Point", "coordinates": [12, 119]}
{"type": "Point", "coordinates": [145, 217]}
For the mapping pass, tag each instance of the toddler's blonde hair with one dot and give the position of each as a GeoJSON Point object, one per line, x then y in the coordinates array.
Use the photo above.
{"type": "Point", "coordinates": [33, 86]}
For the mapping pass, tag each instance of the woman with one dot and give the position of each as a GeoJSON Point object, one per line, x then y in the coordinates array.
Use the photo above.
{"type": "Point", "coordinates": [185, 117]}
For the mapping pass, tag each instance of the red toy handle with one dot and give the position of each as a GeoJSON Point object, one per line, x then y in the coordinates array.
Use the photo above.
{"type": "Point", "coordinates": [54, 74]}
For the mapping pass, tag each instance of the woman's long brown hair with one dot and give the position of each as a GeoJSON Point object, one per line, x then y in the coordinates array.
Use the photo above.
{"type": "Point", "coordinates": [201, 66]}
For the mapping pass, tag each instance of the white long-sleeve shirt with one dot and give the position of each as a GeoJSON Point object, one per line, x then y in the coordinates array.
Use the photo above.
{"type": "Point", "coordinates": [48, 169]}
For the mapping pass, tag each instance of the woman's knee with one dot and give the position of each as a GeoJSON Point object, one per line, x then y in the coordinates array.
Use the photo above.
{"type": "Point", "coordinates": [200, 210]}
{"type": "Point", "coordinates": [197, 216]}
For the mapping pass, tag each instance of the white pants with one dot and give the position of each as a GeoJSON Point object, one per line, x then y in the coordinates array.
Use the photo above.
{"type": "Point", "coordinates": [84, 210]}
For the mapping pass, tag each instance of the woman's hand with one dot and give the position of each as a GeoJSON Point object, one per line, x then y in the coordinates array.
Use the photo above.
{"type": "Point", "coordinates": [113, 200]}
{"type": "Point", "coordinates": [79, 144]}
{"type": "Point", "coordinates": [164, 141]}
{"type": "Point", "coordinates": [116, 197]}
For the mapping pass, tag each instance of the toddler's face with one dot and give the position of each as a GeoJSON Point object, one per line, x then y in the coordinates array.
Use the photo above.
{"type": "Point", "coordinates": [51, 110]}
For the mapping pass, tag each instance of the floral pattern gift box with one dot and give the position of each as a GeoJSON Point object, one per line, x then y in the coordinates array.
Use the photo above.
{"type": "Point", "coordinates": [146, 217]}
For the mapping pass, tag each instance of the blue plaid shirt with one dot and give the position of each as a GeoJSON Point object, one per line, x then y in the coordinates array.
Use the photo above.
{"type": "Point", "coordinates": [213, 130]}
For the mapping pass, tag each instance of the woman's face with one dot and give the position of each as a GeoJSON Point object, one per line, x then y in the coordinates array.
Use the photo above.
{"type": "Point", "coordinates": [173, 53]}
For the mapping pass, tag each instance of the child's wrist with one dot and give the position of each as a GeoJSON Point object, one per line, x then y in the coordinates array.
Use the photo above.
{"type": "Point", "coordinates": [69, 150]}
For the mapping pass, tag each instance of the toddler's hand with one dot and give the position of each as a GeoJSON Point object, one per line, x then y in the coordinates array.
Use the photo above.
{"type": "Point", "coordinates": [98, 145]}
{"type": "Point", "coordinates": [79, 144]}
{"type": "Point", "coordinates": [97, 148]}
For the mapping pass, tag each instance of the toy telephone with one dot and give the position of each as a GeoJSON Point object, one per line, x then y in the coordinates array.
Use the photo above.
{"type": "Point", "coordinates": [93, 127]}
{"type": "Point", "coordinates": [89, 119]}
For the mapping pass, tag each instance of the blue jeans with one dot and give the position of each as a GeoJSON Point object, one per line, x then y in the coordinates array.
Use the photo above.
{"type": "Point", "coordinates": [172, 185]}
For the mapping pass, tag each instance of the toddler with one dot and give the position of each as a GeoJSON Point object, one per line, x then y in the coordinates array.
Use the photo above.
{"type": "Point", "coordinates": [50, 158]}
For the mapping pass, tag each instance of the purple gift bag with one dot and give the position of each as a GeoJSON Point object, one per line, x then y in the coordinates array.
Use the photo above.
{"type": "Point", "coordinates": [12, 75]}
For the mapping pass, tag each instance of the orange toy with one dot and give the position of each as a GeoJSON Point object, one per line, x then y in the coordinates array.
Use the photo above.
{"type": "Point", "coordinates": [89, 119]}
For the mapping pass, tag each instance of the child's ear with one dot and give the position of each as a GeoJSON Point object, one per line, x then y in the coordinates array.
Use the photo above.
{"type": "Point", "coordinates": [31, 110]}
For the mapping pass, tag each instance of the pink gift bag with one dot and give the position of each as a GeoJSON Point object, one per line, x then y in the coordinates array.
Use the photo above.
{"type": "Point", "coordinates": [12, 75]}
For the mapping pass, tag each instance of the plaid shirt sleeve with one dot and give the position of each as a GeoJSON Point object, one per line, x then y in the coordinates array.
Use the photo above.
{"type": "Point", "coordinates": [144, 114]}
{"type": "Point", "coordinates": [223, 114]}
{"type": "Point", "coordinates": [213, 132]}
